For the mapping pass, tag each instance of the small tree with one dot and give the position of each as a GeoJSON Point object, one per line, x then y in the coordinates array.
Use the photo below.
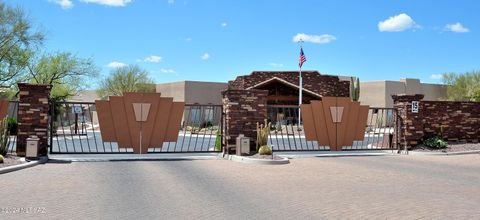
{"type": "Point", "coordinates": [463, 87]}
{"type": "Point", "coordinates": [126, 79]}
{"type": "Point", "coordinates": [66, 72]}
{"type": "Point", "coordinates": [18, 41]}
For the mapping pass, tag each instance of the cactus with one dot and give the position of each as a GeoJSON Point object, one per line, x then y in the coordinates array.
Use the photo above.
{"type": "Point", "coordinates": [354, 89]}
{"type": "Point", "coordinates": [262, 134]}
{"type": "Point", "coordinates": [4, 137]}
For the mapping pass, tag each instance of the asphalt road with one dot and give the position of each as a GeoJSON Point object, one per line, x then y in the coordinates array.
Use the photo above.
{"type": "Point", "coordinates": [392, 187]}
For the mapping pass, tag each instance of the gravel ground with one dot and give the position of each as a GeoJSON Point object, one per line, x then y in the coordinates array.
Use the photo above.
{"type": "Point", "coordinates": [456, 147]}
{"type": "Point", "coordinates": [258, 156]}
{"type": "Point", "coordinates": [10, 160]}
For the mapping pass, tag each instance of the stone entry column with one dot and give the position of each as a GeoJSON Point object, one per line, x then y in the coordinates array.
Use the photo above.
{"type": "Point", "coordinates": [409, 124]}
{"type": "Point", "coordinates": [33, 110]}
{"type": "Point", "coordinates": [243, 109]}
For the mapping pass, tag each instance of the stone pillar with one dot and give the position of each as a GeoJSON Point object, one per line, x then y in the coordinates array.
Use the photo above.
{"type": "Point", "coordinates": [409, 124]}
{"type": "Point", "coordinates": [33, 116]}
{"type": "Point", "coordinates": [243, 109]}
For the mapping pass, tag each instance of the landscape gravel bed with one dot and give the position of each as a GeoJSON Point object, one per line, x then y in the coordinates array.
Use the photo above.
{"type": "Point", "coordinates": [11, 160]}
{"type": "Point", "coordinates": [452, 147]}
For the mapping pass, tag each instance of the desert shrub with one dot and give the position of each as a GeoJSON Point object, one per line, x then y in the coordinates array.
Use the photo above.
{"type": "Point", "coordinates": [435, 142]}
{"type": "Point", "coordinates": [262, 134]}
{"type": "Point", "coordinates": [4, 137]}
{"type": "Point", "coordinates": [265, 150]}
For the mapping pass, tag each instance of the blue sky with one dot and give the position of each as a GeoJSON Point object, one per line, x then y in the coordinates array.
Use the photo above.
{"type": "Point", "coordinates": [213, 40]}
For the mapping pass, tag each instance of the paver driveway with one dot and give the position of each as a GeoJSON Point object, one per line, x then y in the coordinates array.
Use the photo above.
{"type": "Point", "coordinates": [396, 187]}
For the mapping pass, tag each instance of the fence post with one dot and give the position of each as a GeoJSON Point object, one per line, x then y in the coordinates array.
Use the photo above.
{"type": "Point", "coordinates": [33, 110]}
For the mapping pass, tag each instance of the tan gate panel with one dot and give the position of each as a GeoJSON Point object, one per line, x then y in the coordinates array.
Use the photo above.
{"type": "Point", "coordinates": [3, 108]}
{"type": "Point", "coordinates": [120, 122]}
{"type": "Point", "coordinates": [161, 122]}
{"type": "Point", "coordinates": [362, 122]}
{"type": "Point", "coordinates": [352, 124]}
{"type": "Point", "coordinates": [320, 125]}
{"type": "Point", "coordinates": [344, 102]}
{"type": "Point", "coordinates": [129, 99]}
{"type": "Point", "coordinates": [337, 121]}
{"type": "Point", "coordinates": [308, 122]}
{"type": "Point", "coordinates": [105, 120]}
{"type": "Point", "coordinates": [174, 121]}
{"type": "Point", "coordinates": [140, 120]}
{"type": "Point", "coordinates": [331, 127]}
{"type": "Point", "coordinates": [148, 126]}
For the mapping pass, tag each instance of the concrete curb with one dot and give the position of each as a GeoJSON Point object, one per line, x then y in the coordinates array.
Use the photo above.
{"type": "Point", "coordinates": [22, 166]}
{"type": "Point", "coordinates": [132, 157]}
{"type": "Point", "coordinates": [256, 161]}
{"type": "Point", "coordinates": [420, 153]}
{"type": "Point", "coordinates": [292, 155]}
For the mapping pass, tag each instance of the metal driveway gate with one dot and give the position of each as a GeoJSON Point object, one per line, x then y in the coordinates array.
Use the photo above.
{"type": "Point", "coordinates": [287, 135]}
{"type": "Point", "coordinates": [75, 130]}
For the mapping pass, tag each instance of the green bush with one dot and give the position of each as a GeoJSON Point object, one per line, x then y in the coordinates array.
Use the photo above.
{"type": "Point", "coordinates": [1, 159]}
{"type": "Point", "coordinates": [435, 142]}
{"type": "Point", "coordinates": [218, 141]}
{"type": "Point", "coordinates": [265, 150]}
{"type": "Point", "coordinates": [12, 126]}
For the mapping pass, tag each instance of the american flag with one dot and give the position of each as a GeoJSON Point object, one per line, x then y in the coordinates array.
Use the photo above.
{"type": "Point", "coordinates": [302, 58]}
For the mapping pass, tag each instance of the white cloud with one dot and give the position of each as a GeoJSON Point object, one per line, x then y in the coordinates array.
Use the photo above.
{"type": "Point", "coordinates": [276, 64]}
{"type": "Point", "coordinates": [397, 23]}
{"type": "Point", "coordinates": [224, 24]}
{"type": "Point", "coordinates": [114, 3]}
{"type": "Point", "coordinates": [171, 2]}
{"type": "Point", "coordinates": [188, 39]}
{"type": "Point", "coordinates": [436, 76]}
{"type": "Point", "coordinates": [153, 59]}
{"type": "Point", "coordinates": [317, 39]}
{"type": "Point", "coordinates": [116, 64]}
{"type": "Point", "coordinates": [205, 56]}
{"type": "Point", "coordinates": [457, 28]}
{"type": "Point", "coordinates": [167, 70]}
{"type": "Point", "coordinates": [65, 4]}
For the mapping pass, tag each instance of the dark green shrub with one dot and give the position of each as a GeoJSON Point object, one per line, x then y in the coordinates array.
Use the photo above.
{"type": "Point", "coordinates": [206, 124]}
{"type": "Point", "coordinates": [12, 126]}
{"type": "Point", "coordinates": [435, 142]}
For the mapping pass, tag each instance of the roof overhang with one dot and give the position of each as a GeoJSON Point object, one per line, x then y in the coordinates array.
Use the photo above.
{"type": "Point", "coordinates": [285, 83]}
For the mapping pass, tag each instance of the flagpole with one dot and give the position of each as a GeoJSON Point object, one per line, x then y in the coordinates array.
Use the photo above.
{"type": "Point", "coordinates": [300, 96]}
{"type": "Point", "coordinates": [300, 92]}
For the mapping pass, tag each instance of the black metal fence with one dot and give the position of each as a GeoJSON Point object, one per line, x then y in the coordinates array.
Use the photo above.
{"type": "Point", "coordinates": [287, 135]}
{"type": "Point", "coordinates": [12, 126]}
{"type": "Point", "coordinates": [75, 129]}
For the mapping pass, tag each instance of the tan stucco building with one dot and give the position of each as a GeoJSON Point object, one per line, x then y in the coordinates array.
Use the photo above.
{"type": "Point", "coordinates": [193, 92]}
{"type": "Point", "coordinates": [379, 93]}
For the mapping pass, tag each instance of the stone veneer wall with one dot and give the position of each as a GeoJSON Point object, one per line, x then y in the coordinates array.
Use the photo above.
{"type": "Point", "coordinates": [409, 124]}
{"type": "Point", "coordinates": [243, 109]}
{"type": "Point", "coordinates": [454, 121]}
{"type": "Point", "coordinates": [33, 116]}
{"type": "Point", "coordinates": [324, 85]}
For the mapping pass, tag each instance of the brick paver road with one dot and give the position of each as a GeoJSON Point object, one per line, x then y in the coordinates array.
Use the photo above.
{"type": "Point", "coordinates": [399, 187]}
